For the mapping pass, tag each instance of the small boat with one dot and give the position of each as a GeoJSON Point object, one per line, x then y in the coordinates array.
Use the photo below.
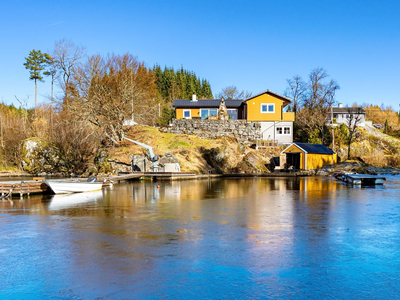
{"type": "Point", "coordinates": [67, 186]}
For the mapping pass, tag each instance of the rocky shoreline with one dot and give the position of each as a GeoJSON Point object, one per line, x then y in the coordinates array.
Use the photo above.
{"type": "Point", "coordinates": [14, 174]}
{"type": "Point", "coordinates": [347, 166]}
{"type": "Point", "coordinates": [354, 167]}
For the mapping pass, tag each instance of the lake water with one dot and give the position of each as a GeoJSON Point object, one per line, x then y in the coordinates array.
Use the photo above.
{"type": "Point", "coordinates": [257, 238]}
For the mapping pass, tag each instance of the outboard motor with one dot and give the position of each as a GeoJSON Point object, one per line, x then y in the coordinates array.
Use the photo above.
{"type": "Point", "coordinates": [92, 179]}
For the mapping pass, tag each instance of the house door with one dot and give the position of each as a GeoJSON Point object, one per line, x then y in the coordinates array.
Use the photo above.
{"type": "Point", "coordinates": [293, 160]}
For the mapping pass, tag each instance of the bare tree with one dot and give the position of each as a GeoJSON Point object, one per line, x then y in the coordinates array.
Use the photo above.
{"type": "Point", "coordinates": [355, 117]}
{"type": "Point", "coordinates": [296, 90]}
{"type": "Point", "coordinates": [52, 72]}
{"type": "Point", "coordinates": [231, 92]}
{"type": "Point", "coordinates": [107, 89]}
{"type": "Point", "coordinates": [65, 58]}
{"type": "Point", "coordinates": [317, 99]}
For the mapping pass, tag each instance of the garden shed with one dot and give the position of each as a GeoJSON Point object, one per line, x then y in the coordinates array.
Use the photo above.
{"type": "Point", "coordinates": [303, 156]}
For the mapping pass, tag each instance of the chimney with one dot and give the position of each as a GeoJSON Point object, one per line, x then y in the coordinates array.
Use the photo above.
{"type": "Point", "coordinates": [340, 105]}
{"type": "Point", "coordinates": [194, 97]}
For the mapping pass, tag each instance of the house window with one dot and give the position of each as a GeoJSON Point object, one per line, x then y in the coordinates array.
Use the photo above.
{"type": "Point", "coordinates": [278, 130]}
{"type": "Point", "coordinates": [233, 113]}
{"type": "Point", "coordinates": [286, 130]}
{"type": "Point", "coordinates": [206, 112]}
{"type": "Point", "coordinates": [267, 108]}
{"type": "Point", "coordinates": [187, 114]}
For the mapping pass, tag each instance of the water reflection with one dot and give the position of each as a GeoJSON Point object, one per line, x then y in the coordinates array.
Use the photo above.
{"type": "Point", "coordinates": [58, 202]}
{"type": "Point", "coordinates": [217, 238]}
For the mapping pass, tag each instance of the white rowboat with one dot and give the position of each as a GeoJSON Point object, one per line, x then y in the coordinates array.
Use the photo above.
{"type": "Point", "coordinates": [65, 187]}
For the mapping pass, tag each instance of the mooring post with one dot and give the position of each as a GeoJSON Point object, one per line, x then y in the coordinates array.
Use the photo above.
{"type": "Point", "coordinates": [10, 192]}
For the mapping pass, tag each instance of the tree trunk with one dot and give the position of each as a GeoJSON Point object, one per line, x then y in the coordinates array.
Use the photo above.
{"type": "Point", "coordinates": [35, 96]}
{"type": "Point", "coordinates": [348, 150]}
{"type": "Point", "coordinates": [51, 107]}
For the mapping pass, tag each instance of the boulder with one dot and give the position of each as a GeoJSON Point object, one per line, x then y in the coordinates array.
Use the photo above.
{"type": "Point", "coordinates": [39, 157]}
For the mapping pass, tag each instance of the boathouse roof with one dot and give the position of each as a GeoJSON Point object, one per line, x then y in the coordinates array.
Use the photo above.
{"type": "Point", "coordinates": [314, 148]}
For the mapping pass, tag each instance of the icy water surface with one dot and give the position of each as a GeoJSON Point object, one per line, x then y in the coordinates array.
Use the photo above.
{"type": "Point", "coordinates": [259, 238]}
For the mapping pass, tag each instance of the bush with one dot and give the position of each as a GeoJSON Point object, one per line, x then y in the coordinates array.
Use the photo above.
{"type": "Point", "coordinates": [393, 161]}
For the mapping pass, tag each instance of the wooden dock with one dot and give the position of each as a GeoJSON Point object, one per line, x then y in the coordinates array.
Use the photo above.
{"type": "Point", "coordinates": [35, 186]}
{"type": "Point", "coordinates": [155, 175]}
{"type": "Point", "coordinates": [38, 185]}
{"type": "Point", "coordinates": [127, 176]}
{"type": "Point", "coordinates": [361, 179]}
{"type": "Point", "coordinates": [24, 187]}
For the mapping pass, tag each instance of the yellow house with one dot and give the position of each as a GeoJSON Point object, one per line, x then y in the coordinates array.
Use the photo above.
{"type": "Point", "coordinates": [303, 156]}
{"type": "Point", "coordinates": [268, 106]}
{"type": "Point", "coordinates": [265, 108]}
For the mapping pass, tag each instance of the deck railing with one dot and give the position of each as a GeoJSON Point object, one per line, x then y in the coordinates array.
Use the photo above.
{"type": "Point", "coordinates": [266, 143]}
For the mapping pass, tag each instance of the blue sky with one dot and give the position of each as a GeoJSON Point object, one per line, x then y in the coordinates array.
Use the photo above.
{"type": "Point", "coordinates": [254, 45]}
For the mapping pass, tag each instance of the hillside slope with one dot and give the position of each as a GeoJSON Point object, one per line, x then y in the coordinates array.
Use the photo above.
{"type": "Point", "coordinates": [203, 156]}
{"type": "Point", "coordinates": [375, 148]}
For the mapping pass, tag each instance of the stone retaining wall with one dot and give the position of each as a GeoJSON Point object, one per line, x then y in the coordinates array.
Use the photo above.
{"type": "Point", "coordinates": [209, 129]}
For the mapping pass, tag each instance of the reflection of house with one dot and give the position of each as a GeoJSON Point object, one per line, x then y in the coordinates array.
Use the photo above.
{"type": "Point", "coordinates": [265, 108]}
{"type": "Point", "coordinates": [303, 156]}
{"type": "Point", "coordinates": [342, 115]}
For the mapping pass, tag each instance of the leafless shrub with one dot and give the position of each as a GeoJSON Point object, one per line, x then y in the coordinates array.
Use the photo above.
{"type": "Point", "coordinates": [77, 142]}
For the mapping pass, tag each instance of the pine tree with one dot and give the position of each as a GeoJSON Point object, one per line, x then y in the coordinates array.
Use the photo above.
{"type": "Point", "coordinates": [207, 93]}
{"type": "Point", "coordinates": [36, 63]}
{"type": "Point", "coordinates": [180, 84]}
{"type": "Point", "coordinates": [387, 128]}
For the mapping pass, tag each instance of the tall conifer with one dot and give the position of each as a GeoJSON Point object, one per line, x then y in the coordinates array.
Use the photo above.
{"type": "Point", "coordinates": [36, 63]}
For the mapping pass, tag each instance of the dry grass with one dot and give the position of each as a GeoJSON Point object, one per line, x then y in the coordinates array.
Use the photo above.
{"type": "Point", "coordinates": [375, 148]}
{"type": "Point", "coordinates": [190, 150]}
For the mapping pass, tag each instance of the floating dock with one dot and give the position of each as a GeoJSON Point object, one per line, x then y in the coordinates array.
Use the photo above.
{"type": "Point", "coordinates": [361, 179]}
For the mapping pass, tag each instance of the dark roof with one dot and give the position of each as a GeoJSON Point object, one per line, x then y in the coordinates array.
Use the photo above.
{"type": "Point", "coordinates": [314, 148]}
{"type": "Point", "coordinates": [272, 93]}
{"type": "Point", "coordinates": [207, 103]}
{"type": "Point", "coordinates": [346, 110]}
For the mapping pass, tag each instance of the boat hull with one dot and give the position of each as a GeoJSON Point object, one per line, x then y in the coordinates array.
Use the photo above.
{"type": "Point", "coordinates": [66, 187]}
